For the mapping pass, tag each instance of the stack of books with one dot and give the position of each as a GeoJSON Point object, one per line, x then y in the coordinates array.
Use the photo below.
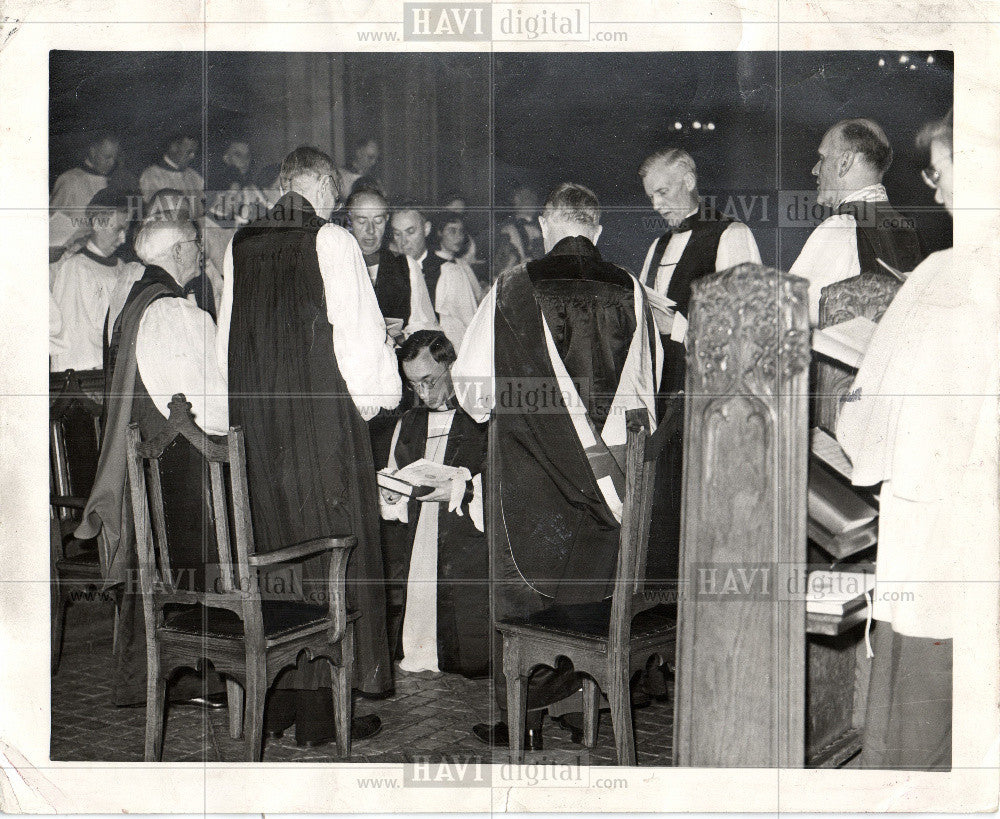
{"type": "Point", "coordinates": [840, 520]}
{"type": "Point", "coordinates": [838, 593]}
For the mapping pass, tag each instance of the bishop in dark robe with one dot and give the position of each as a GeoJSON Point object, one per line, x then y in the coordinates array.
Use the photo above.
{"type": "Point", "coordinates": [309, 362]}
{"type": "Point", "coordinates": [161, 344]}
{"type": "Point", "coordinates": [566, 330]}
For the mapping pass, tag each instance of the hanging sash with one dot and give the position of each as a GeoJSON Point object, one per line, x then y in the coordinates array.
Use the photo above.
{"type": "Point", "coordinates": [636, 390]}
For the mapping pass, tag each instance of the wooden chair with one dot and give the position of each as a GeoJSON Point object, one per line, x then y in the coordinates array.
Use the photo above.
{"type": "Point", "coordinates": [75, 407]}
{"type": "Point", "coordinates": [610, 640]}
{"type": "Point", "coordinates": [247, 639]}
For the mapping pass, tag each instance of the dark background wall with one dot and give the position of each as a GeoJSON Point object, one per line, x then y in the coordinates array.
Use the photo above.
{"type": "Point", "coordinates": [590, 118]}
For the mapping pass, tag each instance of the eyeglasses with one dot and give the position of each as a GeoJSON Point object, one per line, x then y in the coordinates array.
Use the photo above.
{"type": "Point", "coordinates": [428, 383]}
{"type": "Point", "coordinates": [931, 177]}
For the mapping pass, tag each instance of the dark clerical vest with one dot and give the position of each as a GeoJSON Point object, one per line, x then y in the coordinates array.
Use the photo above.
{"type": "Point", "coordinates": [697, 260]}
{"type": "Point", "coordinates": [884, 233]}
{"type": "Point", "coordinates": [392, 285]}
{"type": "Point", "coordinates": [463, 614]}
{"type": "Point", "coordinates": [309, 459]}
{"type": "Point", "coordinates": [552, 516]}
{"type": "Point", "coordinates": [431, 267]}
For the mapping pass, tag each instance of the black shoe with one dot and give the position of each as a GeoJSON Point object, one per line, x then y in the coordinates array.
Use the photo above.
{"type": "Point", "coordinates": [573, 723]}
{"type": "Point", "coordinates": [498, 736]}
{"type": "Point", "coordinates": [313, 736]}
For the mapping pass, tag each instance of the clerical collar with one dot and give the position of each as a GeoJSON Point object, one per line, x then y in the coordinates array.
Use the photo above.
{"type": "Point", "coordinates": [448, 406]}
{"type": "Point", "coordinates": [171, 165]}
{"type": "Point", "coordinates": [442, 254]}
{"type": "Point", "coordinates": [86, 167]}
{"type": "Point", "coordinates": [870, 193]}
{"type": "Point", "coordinates": [687, 223]}
{"type": "Point", "coordinates": [422, 257]}
{"type": "Point", "coordinates": [575, 246]}
{"type": "Point", "coordinates": [93, 252]}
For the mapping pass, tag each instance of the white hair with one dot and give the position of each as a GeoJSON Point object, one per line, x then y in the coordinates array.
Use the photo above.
{"type": "Point", "coordinates": [157, 237]}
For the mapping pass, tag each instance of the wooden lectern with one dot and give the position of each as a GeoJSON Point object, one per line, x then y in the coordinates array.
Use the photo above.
{"type": "Point", "coordinates": [740, 686]}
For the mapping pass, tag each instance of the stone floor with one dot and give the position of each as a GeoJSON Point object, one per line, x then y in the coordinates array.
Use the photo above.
{"type": "Point", "coordinates": [424, 719]}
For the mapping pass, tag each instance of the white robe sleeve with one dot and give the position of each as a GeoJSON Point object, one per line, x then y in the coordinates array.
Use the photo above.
{"type": "Point", "coordinates": [736, 246]}
{"type": "Point", "coordinates": [830, 255]}
{"type": "Point", "coordinates": [365, 353]}
{"type": "Point", "coordinates": [175, 351]}
{"type": "Point", "coordinates": [421, 310]}
{"type": "Point", "coordinates": [225, 311]}
{"type": "Point", "coordinates": [457, 297]}
{"type": "Point", "coordinates": [473, 373]}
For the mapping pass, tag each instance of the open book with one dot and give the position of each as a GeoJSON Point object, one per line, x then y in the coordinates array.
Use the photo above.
{"type": "Point", "coordinates": [663, 310]}
{"type": "Point", "coordinates": [845, 342]}
{"type": "Point", "coordinates": [417, 479]}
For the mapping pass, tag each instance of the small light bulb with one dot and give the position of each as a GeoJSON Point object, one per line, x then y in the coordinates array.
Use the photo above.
{"type": "Point", "coordinates": [711, 126]}
{"type": "Point", "coordinates": [904, 58]}
{"type": "Point", "coordinates": [881, 62]}
{"type": "Point", "coordinates": [930, 58]}
{"type": "Point", "coordinates": [677, 126]}
{"type": "Point", "coordinates": [913, 67]}
{"type": "Point", "coordinates": [696, 125]}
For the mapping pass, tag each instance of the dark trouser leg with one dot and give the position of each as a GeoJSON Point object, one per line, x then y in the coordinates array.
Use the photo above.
{"type": "Point", "coordinates": [908, 721]}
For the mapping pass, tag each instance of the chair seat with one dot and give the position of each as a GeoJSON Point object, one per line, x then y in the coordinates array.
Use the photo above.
{"type": "Point", "coordinates": [280, 617]}
{"type": "Point", "coordinates": [592, 620]}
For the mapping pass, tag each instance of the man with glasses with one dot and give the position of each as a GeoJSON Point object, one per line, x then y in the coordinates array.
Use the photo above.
{"type": "Point", "coordinates": [398, 280]}
{"type": "Point", "coordinates": [161, 344]}
{"type": "Point", "coordinates": [853, 157]}
{"type": "Point", "coordinates": [309, 363]}
{"type": "Point", "coordinates": [442, 563]}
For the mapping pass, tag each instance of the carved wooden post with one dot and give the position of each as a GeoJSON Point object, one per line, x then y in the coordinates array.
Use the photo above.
{"type": "Point", "coordinates": [740, 694]}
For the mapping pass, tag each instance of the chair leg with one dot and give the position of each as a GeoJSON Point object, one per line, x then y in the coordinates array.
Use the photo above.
{"type": "Point", "coordinates": [517, 699]}
{"type": "Point", "coordinates": [621, 716]}
{"type": "Point", "coordinates": [156, 700]}
{"type": "Point", "coordinates": [256, 691]}
{"type": "Point", "coordinates": [234, 694]}
{"type": "Point", "coordinates": [58, 623]}
{"type": "Point", "coordinates": [342, 677]}
{"type": "Point", "coordinates": [114, 631]}
{"type": "Point", "coordinates": [591, 714]}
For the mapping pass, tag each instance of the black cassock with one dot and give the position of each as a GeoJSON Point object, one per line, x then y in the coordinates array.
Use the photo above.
{"type": "Point", "coordinates": [309, 458]}
{"type": "Point", "coordinates": [463, 615]}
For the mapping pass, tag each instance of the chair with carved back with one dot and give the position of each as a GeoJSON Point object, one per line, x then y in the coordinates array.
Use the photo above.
{"type": "Point", "coordinates": [248, 638]}
{"type": "Point", "coordinates": [610, 640]}
{"type": "Point", "coordinates": [868, 295]}
{"type": "Point", "coordinates": [75, 408]}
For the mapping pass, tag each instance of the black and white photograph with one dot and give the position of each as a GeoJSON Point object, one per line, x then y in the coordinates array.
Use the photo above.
{"type": "Point", "coordinates": [505, 404]}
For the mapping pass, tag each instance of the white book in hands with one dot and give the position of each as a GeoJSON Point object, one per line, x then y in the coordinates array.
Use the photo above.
{"type": "Point", "coordinates": [663, 310]}
{"type": "Point", "coordinates": [845, 342]}
{"type": "Point", "coordinates": [418, 478]}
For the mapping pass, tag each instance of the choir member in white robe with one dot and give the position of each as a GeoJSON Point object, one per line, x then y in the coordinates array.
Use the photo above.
{"type": "Point", "coordinates": [174, 170]}
{"type": "Point", "coordinates": [76, 187]}
{"type": "Point", "coordinates": [853, 157]}
{"type": "Point", "coordinates": [84, 286]}
{"type": "Point", "coordinates": [458, 292]}
{"type": "Point", "coordinates": [923, 422]}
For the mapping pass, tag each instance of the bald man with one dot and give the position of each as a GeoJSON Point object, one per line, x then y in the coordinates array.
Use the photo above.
{"type": "Point", "coordinates": [853, 157]}
{"type": "Point", "coordinates": [398, 280]}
